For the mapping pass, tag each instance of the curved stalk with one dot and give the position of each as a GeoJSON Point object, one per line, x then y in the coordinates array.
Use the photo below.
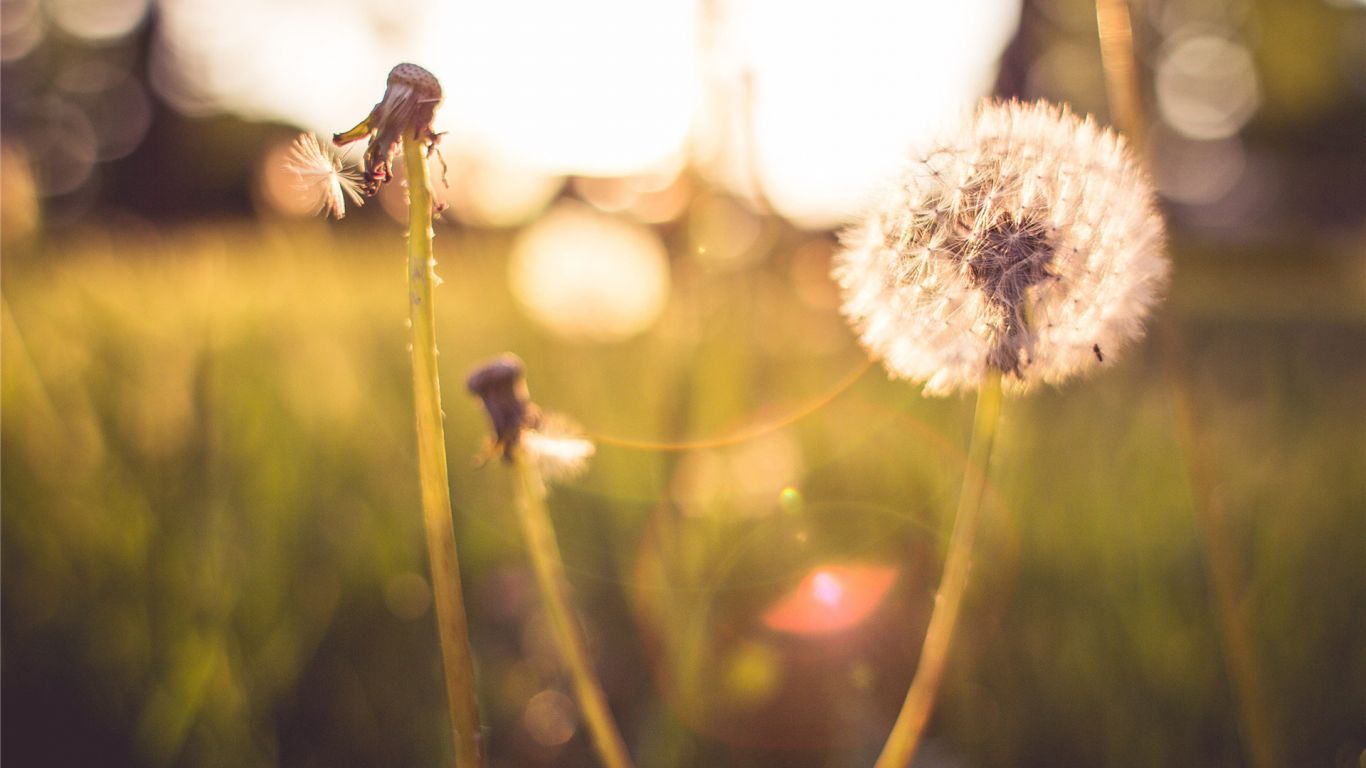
{"type": "Point", "coordinates": [1243, 666]}
{"type": "Point", "coordinates": [452, 626]}
{"type": "Point", "coordinates": [904, 739]}
{"type": "Point", "coordinates": [549, 568]}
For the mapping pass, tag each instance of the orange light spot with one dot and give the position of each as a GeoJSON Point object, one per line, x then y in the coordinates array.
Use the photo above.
{"type": "Point", "coordinates": [831, 598]}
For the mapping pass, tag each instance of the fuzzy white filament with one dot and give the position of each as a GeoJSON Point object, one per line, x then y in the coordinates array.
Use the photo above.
{"type": "Point", "coordinates": [1030, 244]}
{"type": "Point", "coordinates": [558, 448]}
{"type": "Point", "coordinates": [322, 178]}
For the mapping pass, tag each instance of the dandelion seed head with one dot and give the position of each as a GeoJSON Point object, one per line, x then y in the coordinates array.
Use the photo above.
{"type": "Point", "coordinates": [322, 178]}
{"type": "Point", "coordinates": [1021, 245]}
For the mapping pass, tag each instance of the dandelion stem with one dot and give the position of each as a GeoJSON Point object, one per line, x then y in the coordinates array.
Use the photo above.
{"type": "Point", "coordinates": [550, 578]}
{"type": "Point", "coordinates": [452, 626]}
{"type": "Point", "coordinates": [915, 711]}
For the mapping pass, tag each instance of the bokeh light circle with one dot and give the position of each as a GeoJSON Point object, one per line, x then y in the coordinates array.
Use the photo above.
{"type": "Point", "coordinates": [550, 717]}
{"type": "Point", "coordinates": [97, 20]}
{"type": "Point", "coordinates": [589, 276]}
{"type": "Point", "coordinates": [1207, 87]}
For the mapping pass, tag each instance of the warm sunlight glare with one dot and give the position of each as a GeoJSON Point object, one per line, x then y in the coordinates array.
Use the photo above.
{"type": "Point", "coordinates": [597, 87]}
{"type": "Point", "coordinates": [612, 88]}
{"type": "Point", "coordinates": [825, 126]}
{"type": "Point", "coordinates": [485, 189]}
{"type": "Point", "coordinates": [588, 275]}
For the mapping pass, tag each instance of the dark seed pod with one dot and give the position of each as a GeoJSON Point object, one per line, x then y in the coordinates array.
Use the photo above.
{"type": "Point", "coordinates": [500, 384]}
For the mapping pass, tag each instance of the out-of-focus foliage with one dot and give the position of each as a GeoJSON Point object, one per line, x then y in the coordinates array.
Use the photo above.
{"type": "Point", "coordinates": [211, 542]}
{"type": "Point", "coordinates": [212, 548]}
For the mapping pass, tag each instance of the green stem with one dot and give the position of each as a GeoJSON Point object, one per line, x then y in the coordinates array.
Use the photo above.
{"type": "Point", "coordinates": [452, 626]}
{"type": "Point", "coordinates": [549, 569]}
{"type": "Point", "coordinates": [915, 711]}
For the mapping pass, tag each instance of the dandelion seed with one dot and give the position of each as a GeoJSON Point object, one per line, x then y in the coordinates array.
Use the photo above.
{"type": "Point", "coordinates": [322, 177]}
{"type": "Point", "coordinates": [1024, 245]}
{"type": "Point", "coordinates": [559, 448]}
{"type": "Point", "coordinates": [411, 96]}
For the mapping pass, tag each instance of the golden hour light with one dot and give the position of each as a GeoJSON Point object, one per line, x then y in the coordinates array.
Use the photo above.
{"type": "Point", "coordinates": [824, 128]}
{"type": "Point", "coordinates": [478, 189]}
{"type": "Point", "coordinates": [489, 190]}
{"type": "Point", "coordinates": [589, 276]}
{"type": "Point", "coordinates": [682, 383]}
{"type": "Point", "coordinates": [615, 88]}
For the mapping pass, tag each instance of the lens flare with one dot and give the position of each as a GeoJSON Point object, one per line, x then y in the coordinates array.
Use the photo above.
{"type": "Point", "coordinates": [831, 598]}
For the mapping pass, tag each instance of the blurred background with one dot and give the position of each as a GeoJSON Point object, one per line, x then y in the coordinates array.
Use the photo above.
{"type": "Point", "coordinates": [212, 547]}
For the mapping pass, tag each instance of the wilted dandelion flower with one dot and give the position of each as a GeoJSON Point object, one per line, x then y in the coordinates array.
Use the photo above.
{"type": "Point", "coordinates": [553, 442]}
{"type": "Point", "coordinates": [1029, 244]}
{"type": "Point", "coordinates": [500, 384]}
{"type": "Point", "coordinates": [411, 96]}
{"type": "Point", "coordinates": [322, 177]}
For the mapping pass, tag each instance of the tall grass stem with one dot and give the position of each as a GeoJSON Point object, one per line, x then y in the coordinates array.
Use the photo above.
{"type": "Point", "coordinates": [452, 625]}
{"type": "Point", "coordinates": [1258, 730]}
{"type": "Point", "coordinates": [1115, 30]}
{"type": "Point", "coordinates": [550, 578]}
{"type": "Point", "coordinates": [906, 734]}
{"type": "Point", "coordinates": [1242, 662]}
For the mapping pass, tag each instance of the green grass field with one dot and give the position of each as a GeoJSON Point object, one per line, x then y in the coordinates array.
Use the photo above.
{"type": "Point", "coordinates": [212, 540]}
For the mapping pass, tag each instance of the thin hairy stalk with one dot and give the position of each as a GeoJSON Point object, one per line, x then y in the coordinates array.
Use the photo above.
{"type": "Point", "coordinates": [452, 626]}
{"type": "Point", "coordinates": [915, 710]}
{"type": "Point", "coordinates": [748, 433]}
{"type": "Point", "coordinates": [550, 578]}
{"type": "Point", "coordinates": [1241, 659]}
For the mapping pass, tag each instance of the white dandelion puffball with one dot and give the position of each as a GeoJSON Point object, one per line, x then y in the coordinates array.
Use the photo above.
{"type": "Point", "coordinates": [1029, 244]}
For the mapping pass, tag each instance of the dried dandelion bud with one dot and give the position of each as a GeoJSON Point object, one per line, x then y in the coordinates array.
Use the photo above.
{"type": "Point", "coordinates": [322, 178]}
{"type": "Point", "coordinates": [411, 97]}
{"type": "Point", "coordinates": [506, 398]}
{"type": "Point", "coordinates": [1030, 244]}
{"type": "Point", "coordinates": [554, 443]}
